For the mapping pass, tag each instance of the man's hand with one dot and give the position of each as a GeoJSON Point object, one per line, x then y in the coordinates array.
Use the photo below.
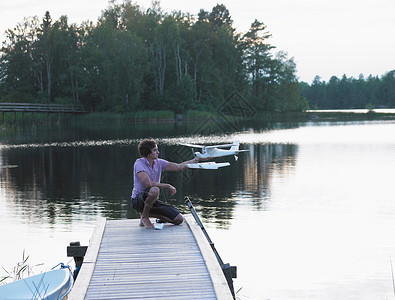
{"type": "Point", "coordinates": [172, 189]}
{"type": "Point", "coordinates": [203, 159]}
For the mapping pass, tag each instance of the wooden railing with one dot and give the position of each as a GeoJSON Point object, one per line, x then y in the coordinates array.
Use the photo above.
{"type": "Point", "coordinates": [42, 108]}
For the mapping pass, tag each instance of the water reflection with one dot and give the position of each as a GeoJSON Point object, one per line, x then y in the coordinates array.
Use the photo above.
{"type": "Point", "coordinates": [258, 168]}
{"type": "Point", "coordinates": [318, 197]}
{"type": "Point", "coordinates": [55, 182]}
{"type": "Point", "coordinates": [61, 179]}
{"type": "Point", "coordinates": [94, 177]}
{"type": "Point", "coordinates": [64, 179]}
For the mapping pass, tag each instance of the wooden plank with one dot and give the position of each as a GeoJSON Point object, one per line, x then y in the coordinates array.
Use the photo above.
{"type": "Point", "coordinates": [137, 263]}
{"type": "Point", "coordinates": [132, 262]}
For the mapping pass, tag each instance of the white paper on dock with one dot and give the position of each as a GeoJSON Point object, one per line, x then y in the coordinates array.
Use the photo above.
{"type": "Point", "coordinates": [158, 226]}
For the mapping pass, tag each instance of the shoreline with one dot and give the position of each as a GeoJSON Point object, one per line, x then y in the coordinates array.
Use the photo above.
{"type": "Point", "coordinates": [168, 117]}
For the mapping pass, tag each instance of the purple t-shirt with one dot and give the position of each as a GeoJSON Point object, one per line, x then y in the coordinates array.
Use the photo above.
{"type": "Point", "coordinates": [142, 164]}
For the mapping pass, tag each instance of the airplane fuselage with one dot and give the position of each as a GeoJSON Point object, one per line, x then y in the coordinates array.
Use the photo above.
{"type": "Point", "coordinates": [214, 152]}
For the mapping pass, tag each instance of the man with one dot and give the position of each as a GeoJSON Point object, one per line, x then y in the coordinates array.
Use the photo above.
{"type": "Point", "coordinates": [147, 185]}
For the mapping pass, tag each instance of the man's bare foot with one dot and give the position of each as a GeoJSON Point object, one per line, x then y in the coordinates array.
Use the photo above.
{"type": "Point", "coordinates": [146, 223]}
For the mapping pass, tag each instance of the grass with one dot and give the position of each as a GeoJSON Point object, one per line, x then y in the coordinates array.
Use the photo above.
{"type": "Point", "coordinates": [146, 116]}
{"type": "Point", "coordinates": [21, 270]}
{"type": "Point", "coordinates": [152, 116]}
{"type": "Point", "coordinates": [197, 115]}
{"type": "Point", "coordinates": [10, 120]}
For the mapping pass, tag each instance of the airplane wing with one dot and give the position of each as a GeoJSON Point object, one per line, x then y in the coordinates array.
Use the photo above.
{"type": "Point", "coordinates": [193, 145]}
{"type": "Point", "coordinates": [210, 146]}
{"type": "Point", "coordinates": [208, 165]}
{"type": "Point", "coordinates": [221, 146]}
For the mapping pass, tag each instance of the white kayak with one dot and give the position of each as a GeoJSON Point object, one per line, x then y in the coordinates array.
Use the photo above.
{"type": "Point", "coordinates": [51, 285]}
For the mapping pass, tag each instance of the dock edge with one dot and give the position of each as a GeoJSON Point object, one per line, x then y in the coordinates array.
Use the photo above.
{"type": "Point", "coordinates": [81, 285]}
{"type": "Point", "coordinates": [218, 279]}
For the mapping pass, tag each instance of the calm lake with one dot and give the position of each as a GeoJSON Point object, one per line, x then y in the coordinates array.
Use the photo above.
{"type": "Point", "coordinates": [307, 213]}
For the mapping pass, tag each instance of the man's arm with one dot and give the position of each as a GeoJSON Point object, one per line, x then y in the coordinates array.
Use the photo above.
{"type": "Point", "coordinates": [147, 182]}
{"type": "Point", "coordinates": [171, 166]}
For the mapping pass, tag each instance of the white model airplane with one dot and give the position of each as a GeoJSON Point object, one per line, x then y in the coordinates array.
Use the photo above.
{"type": "Point", "coordinates": [215, 151]}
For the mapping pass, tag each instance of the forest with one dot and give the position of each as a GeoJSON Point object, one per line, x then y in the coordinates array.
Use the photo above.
{"type": "Point", "coordinates": [371, 92]}
{"type": "Point", "coordinates": [135, 60]}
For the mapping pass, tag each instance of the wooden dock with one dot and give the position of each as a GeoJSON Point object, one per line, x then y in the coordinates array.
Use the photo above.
{"type": "Point", "coordinates": [42, 108]}
{"type": "Point", "coordinates": [126, 261]}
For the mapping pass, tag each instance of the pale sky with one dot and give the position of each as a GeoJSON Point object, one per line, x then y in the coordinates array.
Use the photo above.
{"type": "Point", "coordinates": [325, 38]}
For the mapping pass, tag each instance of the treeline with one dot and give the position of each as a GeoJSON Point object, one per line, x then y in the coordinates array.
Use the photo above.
{"type": "Point", "coordinates": [371, 92]}
{"type": "Point", "coordinates": [137, 60]}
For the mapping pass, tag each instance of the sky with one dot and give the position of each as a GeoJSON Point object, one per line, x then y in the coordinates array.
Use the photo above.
{"type": "Point", "coordinates": [325, 38]}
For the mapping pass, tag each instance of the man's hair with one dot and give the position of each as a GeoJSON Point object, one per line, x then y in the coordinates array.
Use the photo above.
{"type": "Point", "coordinates": [145, 147]}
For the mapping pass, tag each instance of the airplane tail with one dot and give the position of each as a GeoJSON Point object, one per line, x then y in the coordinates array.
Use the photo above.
{"type": "Point", "coordinates": [236, 145]}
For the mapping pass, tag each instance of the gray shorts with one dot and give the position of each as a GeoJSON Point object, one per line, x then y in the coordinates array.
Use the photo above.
{"type": "Point", "coordinates": [159, 208]}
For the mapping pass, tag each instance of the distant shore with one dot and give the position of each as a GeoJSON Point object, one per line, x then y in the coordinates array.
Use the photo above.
{"type": "Point", "coordinates": [160, 117]}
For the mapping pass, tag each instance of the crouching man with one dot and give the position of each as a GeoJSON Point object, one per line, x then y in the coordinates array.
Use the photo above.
{"type": "Point", "coordinates": [147, 185]}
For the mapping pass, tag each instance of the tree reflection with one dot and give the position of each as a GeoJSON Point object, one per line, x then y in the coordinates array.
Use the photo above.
{"type": "Point", "coordinates": [58, 184]}
{"type": "Point", "coordinates": [215, 193]}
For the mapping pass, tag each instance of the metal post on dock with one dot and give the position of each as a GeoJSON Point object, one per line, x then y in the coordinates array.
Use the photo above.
{"type": "Point", "coordinates": [228, 270]}
{"type": "Point", "coordinates": [78, 252]}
